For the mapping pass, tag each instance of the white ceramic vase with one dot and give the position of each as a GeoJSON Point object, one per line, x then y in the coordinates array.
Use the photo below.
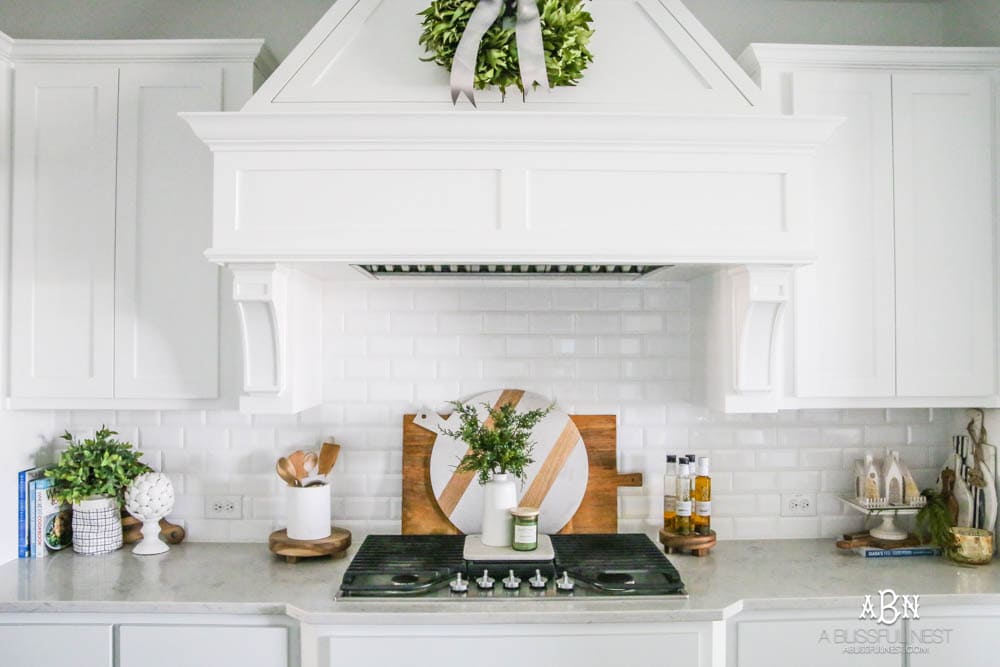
{"type": "Point", "coordinates": [97, 526]}
{"type": "Point", "coordinates": [149, 498]}
{"type": "Point", "coordinates": [309, 512]}
{"type": "Point", "coordinates": [499, 498]}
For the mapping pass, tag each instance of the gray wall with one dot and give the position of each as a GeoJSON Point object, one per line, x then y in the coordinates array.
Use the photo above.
{"type": "Point", "coordinates": [973, 23]}
{"type": "Point", "coordinates": [735, 23]}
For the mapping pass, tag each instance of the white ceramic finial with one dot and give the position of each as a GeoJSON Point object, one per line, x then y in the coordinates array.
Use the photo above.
{"type": "Point", "coordinates": [149, 498]}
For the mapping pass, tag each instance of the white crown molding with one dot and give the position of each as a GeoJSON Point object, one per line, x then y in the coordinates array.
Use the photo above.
{"type": "Point", "coordinates": [6, 46]}
{"type": "Point", "coordinates": [868, 57]}
{"type": "Point", "coordinates": [142, 50]}
{"type": "Point", "coordinates": [503, 132]}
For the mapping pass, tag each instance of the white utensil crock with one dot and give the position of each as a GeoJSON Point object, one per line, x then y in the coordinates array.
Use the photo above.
{"type": "Point", "coordinates": [309, 512]}
{"type": "Point", "coordinates": [499, 498]}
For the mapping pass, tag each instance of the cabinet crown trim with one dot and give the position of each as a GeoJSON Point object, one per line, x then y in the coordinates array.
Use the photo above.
{"type": "Point", "coordinates": [139, 50]}
{"type": "Point", "coordinates": [758, 55]}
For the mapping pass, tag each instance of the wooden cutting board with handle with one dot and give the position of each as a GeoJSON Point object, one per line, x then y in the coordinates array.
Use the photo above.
{"type": "Point", "coordinates": [555, 481]}
{"type": "Point", "coordinates": [597, 511]}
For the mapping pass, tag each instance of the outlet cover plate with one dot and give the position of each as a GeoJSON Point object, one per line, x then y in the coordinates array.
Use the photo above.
{"type": "Point", "coordinates": [798, 504]}
{"type": "Point", "coordinates": [223, 507]}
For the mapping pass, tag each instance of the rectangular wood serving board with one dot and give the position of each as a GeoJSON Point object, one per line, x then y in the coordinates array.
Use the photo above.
{"type": "Point", "coordinates": [598, 512]}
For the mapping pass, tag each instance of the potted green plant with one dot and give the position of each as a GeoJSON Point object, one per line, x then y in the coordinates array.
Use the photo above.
{"type": "Point", "coordinates": [499, 452]}
{"type": "Point", "coordinates": [92, 475]}
{"type": "Point", "coordinates": [936, 519]}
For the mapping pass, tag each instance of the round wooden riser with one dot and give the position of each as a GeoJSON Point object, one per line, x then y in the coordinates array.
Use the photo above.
{"type": "Point", "coordinates": [698, 545]}
{"type": "Point", "coordinates": [292, 550]}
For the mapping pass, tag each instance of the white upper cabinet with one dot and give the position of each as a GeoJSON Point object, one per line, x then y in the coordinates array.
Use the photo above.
{"type": "Point", "coordinates": [945, 272]}
{"type": "Point", "coordinates": [113, 303]}
{"type": "Point", "coordinates": [167, 293]}
{"type": "Point", "coordinates": [899, 307]}
{"type": "Point", "coordinates": [63, 237]}
{"type": "Point", "coordinates": [852, 278]}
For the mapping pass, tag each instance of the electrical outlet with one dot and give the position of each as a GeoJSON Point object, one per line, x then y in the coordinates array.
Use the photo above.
{"type": "Point", "coordinates": [224, 507]}
{"type": "Point", "coordinates": [798, 504]}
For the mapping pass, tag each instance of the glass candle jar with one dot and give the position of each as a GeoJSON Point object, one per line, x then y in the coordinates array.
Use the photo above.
{"type": "Point", "coordinates": [525, 528]}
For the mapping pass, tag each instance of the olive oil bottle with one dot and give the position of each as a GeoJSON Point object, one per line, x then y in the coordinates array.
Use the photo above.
{"type": "Point", "coordinates": [703, 499]}
{"type": "Point", "coordinates": [670, 493]}
{"type": "Point", "coordinates": [682, 524]}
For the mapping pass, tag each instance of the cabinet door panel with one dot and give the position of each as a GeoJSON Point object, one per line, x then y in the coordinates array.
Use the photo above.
{"type": "Point", "coordinates": [944, 234]}
{"type": "Point", "coordinates": [953, 640]}
{"type": "Point", "coordinates": [844, 303]}
{"type": "Point", "coordinates": [77, 645]}
{"type": "Point", "coordinates": [225, 646]}
{"type": "Point", "coordinates": [63, 235]}
{"type": "Point", "coordinates": [167, 292]}
{"type": "Point", "coordinates": [817, 643]}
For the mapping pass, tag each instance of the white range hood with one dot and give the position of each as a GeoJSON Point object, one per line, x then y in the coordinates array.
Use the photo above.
{"type": "Point", "coordinates": [352, 154]}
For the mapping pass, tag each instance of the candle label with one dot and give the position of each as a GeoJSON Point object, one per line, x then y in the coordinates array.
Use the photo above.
{"type": "Point", "coordinates": [526, 534]}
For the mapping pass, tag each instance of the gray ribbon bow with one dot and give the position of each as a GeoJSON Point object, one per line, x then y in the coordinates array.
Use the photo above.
{"type": "Point", "coordinates": [530, 52]}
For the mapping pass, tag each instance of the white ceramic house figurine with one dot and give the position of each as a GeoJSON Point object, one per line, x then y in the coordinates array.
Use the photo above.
{"type": "Point", "coordinates": [149, 498]}
{"type": "Point", "coordinates": [892, 478]}
{"type": "Point", "coordinates": [871, 489]}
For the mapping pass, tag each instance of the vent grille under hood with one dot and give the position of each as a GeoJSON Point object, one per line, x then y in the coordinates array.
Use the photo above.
{"type": "Point", "coordinates": [571, 271]}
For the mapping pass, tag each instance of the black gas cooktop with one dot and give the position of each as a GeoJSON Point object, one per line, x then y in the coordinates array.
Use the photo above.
{"type": "Point", "coordinates": [584, 565]}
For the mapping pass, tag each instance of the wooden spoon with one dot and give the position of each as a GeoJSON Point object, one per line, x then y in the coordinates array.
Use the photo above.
{"type": "Point", "coordinates": [328, 454]}
{"type": "Point", "coordinates": [298, 460]}
{"type": "Point", "coordinates": [286, 471]}
{"type": "Point", "coordinates": [311, 461]}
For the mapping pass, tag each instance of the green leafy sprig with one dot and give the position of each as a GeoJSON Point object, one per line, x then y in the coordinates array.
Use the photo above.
{"type": "Point", "coordinates": [500, 444]}
{"type": "Point", "coordinates": [566, 34]}
{"type": "Point", "coordinates": [95, 466]}
{"type": "Point", "coordinates": [934, 523]}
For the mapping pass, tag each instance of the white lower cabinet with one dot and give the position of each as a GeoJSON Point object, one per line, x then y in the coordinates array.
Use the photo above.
{"type": "Point", "coordinates": [954, 636]}
{"type": "Point", "coordinates": [550, 644]}
{"type": "Point", "coordinates": [218, 646]}
{"type": "Point", "coordinates": [148, 640]}
{"type": "Point", "coordinates": [830, 638]}
{"type": "Point", "coordinates": [56, 644]}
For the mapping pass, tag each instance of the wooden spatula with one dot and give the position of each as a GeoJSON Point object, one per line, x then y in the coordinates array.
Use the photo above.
{"type": "Point", "coordinates": [328, 454]}
{"type": "Point", "coordinates": [298, 460]}
{"type": "Point", "coordinates": [286, 471]}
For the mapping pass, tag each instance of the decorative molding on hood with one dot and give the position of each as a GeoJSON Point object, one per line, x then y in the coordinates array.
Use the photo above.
{"type": "Point", "coordinates": [352, 153]}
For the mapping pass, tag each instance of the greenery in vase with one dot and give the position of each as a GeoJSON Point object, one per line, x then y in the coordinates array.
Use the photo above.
{"type": "Point", "coordinates": [566, 34]}
{"type": "Point", "coordinates": [498, 445]}
{"type": "Point", "coordinates": [934, 523]}
{"type": "Point", "coordinates": [95, 466]}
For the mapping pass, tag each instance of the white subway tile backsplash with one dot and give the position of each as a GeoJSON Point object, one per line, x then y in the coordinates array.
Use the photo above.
{"type": "Point", "coordinates": [621, 349]}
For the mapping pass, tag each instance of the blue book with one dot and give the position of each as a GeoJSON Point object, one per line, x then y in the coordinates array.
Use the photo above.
{"type": "Point", "coordinates": [24, 479]}
{"type": "Point", "coordinates": [871, 552]}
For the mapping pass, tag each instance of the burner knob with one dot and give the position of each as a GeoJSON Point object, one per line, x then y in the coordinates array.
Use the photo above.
{"type": "Point", "coordinates": [511, 582]}
{"type": "Point", "coordinates": [486, 582]}
{"type": "Point", "coordinates": [538, 581]}
{"type": "Point", "coordinates": [565, 583]}
{"type": "Point", "coordinates": [459, 585]}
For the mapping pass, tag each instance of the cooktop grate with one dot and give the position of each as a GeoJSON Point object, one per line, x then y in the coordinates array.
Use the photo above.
{"type": "Point", "coordinates": [594, 551]}
{"type": "Point", "coordinates": [403, 553]}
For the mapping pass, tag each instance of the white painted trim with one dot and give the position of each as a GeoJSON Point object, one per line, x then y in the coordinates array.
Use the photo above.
{"type": "Point", "coordinates": [16, 403]}
{"type": "Point", "coordinates": [506, 132]}
{"type": "Point", "coordinates": [867, 57]}
{"type": "Point", "coordinates": [6, 46]}
{"type": "Point", "coordinates": [140, 50]}
{"type": "Point", "coordinates": [792, 403]}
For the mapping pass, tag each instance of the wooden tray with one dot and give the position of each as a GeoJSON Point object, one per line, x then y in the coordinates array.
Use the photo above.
{"type": "Point", "coordinates": [598, 511]}
{"type": "Point", "coordinates": [292, 550]}
{"type": "Point", "coordinates": [698, 545]}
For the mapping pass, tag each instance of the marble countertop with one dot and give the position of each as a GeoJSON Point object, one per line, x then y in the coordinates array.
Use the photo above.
{"type": "Point", "coordinates": [247, 579]}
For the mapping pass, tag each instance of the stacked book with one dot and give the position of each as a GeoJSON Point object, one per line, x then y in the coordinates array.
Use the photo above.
{"type": "Point", "coordinates": [43, 523]}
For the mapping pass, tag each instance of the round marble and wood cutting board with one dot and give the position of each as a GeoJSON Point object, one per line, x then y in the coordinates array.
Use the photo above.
{"type": "Point", "coordinates": [555, 482]}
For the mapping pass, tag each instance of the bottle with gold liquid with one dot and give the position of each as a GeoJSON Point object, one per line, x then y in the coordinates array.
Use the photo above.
{"type": "Point", "coordinates": [670, 493]}
{"type": "Point", "coordinates": [682, 525]}
{"type": "Point", "coordinates": [703, 499]}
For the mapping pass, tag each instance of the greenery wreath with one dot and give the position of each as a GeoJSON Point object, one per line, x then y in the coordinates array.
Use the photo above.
{"type": "Point", "coordinates": [565, 34]}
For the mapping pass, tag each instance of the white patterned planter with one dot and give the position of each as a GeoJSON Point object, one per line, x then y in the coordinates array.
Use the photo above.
{"type": "Point", "coordinates": [97, 526]}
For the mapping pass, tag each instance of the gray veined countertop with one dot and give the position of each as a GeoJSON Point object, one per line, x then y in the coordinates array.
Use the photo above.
{"type": "Point", "coordinates": [248, 579]}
